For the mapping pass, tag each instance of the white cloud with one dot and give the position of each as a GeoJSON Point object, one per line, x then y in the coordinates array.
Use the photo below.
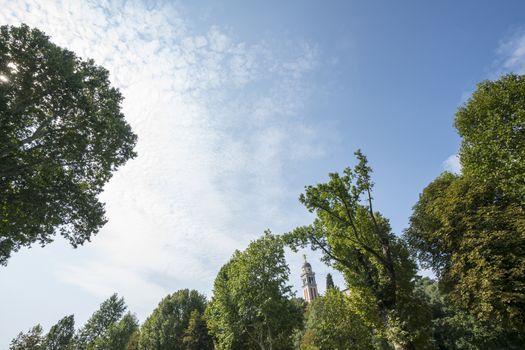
{"type": "Point", "coordinates": [452, 164]}
{"type": "Point", "coordinates": [512, 54]}
{"type": "Point", "coordinates": [218, 124]}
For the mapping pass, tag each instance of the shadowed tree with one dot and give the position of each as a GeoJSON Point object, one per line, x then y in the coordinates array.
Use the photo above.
{"type": "Point", "coordinates": [60, 336]}
{"type": "Point", "coordinates": [474, 239]}
{"type": "Point", "coordinates": [62, 135]}
{"type": "Point", "coordinates": [196, 336]}
{"type": "Point", "coordinates": [329, 282]}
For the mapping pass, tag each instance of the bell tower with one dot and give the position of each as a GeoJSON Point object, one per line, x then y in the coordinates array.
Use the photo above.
{"type": "Point", "coordinates": [309, 285]}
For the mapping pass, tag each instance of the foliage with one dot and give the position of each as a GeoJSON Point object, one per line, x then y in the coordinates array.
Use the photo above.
{"type": "Point", "coordinates": [118, 335]}
{"type": "Point", "coordinates": [196, 336]}
{"type": "Point", "coordinates": [32, 340]}
{"type": "Point", "coordinates": [60, 336]}
{"type": "Point", "coordinates": [164, 328]}
{"type": "Point", "coordinates": [102, 320]}
{"type": "Point", "coordinates": [358, 241]}
{"type": "Point", "coordinates": [62, 134]}
{"type": "Point", "coordinates": [329, 282]}
{"type": "Point", "coordinates": [492, 127]}
{"type": "Point", "coordinates": [332, 324]}
{"type": "Point", "coordinates": [474, 238]}
{"type": "Point", "coordinates": [457, 329]}
{"type": "Point", "coordinates": [252, 305]}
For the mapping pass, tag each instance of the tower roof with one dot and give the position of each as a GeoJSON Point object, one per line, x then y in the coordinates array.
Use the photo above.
{"type": "Point", "coordinates": [306, 263]}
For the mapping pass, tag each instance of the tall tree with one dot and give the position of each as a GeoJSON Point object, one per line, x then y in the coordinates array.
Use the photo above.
{"type": "Point", "coordinates": [164, 328]}
{"type": "Point", "coordinates": [62, 134]}
{"type": "Point", "coordinates": [358, 241]}
{"type": "Point", "coordinates": [474, 239]}
{"type": "Point", "coordinates": [329, 282]}
{"type": "Point", "coordinates": [196, 336]}
{"type": "Point", "coordinates": [32, 340]}
{"type": "Point", "coordinates": [118, 335]}
{"type": "Point", "coordinates": [60, 336]}
{"type": "Point", "coordinates": [252, 306]}
{"type": "Point", "coordinates": [492, 127]}
{"type": "Point", "coordinates": [109, 313]}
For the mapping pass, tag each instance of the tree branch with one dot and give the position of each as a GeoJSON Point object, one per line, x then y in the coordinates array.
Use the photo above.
{"type": "Point", "coordinates": [39, 132]}
{"type": "Point", "coordinates": [358, 242]}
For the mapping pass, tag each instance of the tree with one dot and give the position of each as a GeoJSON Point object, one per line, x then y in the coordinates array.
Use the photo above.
{"type": "Point", "coordinates": [358, 241]}
{"type": "Point", "coordinates": [329, 282]}
{"type": "Point", "coordinates": [164, 328]}
{"type": "Point", "coordinates": [252, 306]}
{"type": "Point", "coordinates": [118, 335]}
{"type": "Point", "coordinates": [60, 336]}
{"type": "Point", "coordinates": [62, 134]}
{"type": "Point", "coordinates": [474, 239]}
{"type": "Point", "coordinates": [32, 340]}
{"type": "Point", "coordinates": [332, 323]}
{"type": "Point", "coordinates": [492, 127]}
{"type": "Point", "coordinates": [457, 329]}
{"type": "Point", "coordinates": [196, 336]}
{"type": "Point", "coordinates": [109, 313]}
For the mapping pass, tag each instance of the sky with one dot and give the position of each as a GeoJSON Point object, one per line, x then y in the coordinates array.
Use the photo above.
{"type": "Point", "coordinates": [238, 105]}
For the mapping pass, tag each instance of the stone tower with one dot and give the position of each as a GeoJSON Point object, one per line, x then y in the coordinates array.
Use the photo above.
{"type": "Point", "coordinates": [309, 285]}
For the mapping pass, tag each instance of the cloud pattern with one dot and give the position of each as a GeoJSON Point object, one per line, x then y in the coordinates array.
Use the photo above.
{"type": "Point", "coordinates": [219, 124]}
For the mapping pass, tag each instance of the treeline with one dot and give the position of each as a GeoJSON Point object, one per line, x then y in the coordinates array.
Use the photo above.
{"type": "Point", "coordinates": [469, 228]}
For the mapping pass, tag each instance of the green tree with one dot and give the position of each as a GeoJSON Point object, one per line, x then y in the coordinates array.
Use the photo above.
{"type": "Point", "coordinates": [252, 306]}
{"type": "Point", "coordinates": [102, 320]}
{"type": "Point", "coordinates": [492, 127]}
{"type": "Point", "coordinates": [474, 239]}
{"type": "Point", "coordinates": [32, 340]}
{"type": "Point", "coordinates": [455, 329]}
{"type": "Point", "coordinates": [164, 328]}
{"type": "Point", "coordinates": [118, 336]}
{"type": "Point", "coordinates": [62, 134]}
{"type": "Point", "coordinates": [333, 324]}
{"type": "Point", "coordinates": [60, 336]}
{"type": "Point", "coordinates": [358, 241]}
{"type": "Point", "coordinates": [329, 282]}
{"type": "Point", "coordinates": [196, 336]}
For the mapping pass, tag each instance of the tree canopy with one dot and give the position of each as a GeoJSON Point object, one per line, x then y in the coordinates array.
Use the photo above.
{"type": "Point", "coordinates": [164, 329]}
{"type": "Point", "coordinates": [252, 305]}
{"type": "Point", "coordinates": [60, 336]}
{"type": "Point", "coordinates": [492, 127]}
{"type": "Point", "coordinates": [32, 340]}
{"type": "Point", "coordinates": [475, 240]}
{"type": "Point", "coordinates": [62, 135]}
{"type": "Point", "coordinates": [102, 320]}
{"type": "Point", "coordinates": [196, 335]}
{"type": "Point", "coordinates": [332, 323]}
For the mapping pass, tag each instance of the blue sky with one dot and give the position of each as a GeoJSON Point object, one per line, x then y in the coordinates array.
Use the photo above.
{"type": "Point", "coordinates": [238, 106]}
